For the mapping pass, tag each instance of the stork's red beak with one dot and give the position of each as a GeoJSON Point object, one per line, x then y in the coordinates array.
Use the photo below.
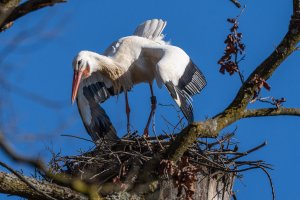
{"type": "Point", "coordinates": [75, 85]}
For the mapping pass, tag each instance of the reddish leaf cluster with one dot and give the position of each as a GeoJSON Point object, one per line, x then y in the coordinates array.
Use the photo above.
{"type": "Point", "coordinates": [278, 102]}
{"type": "Point", "coordinates": [259, 83]}
{"type": "Point", "coordinates": [234, 47]}
{"type": "Point", "coordinates": [184, 175]}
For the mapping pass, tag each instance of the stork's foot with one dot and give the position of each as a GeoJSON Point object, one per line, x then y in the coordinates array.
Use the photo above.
{"type": "Point", "coordinates": [128, 116]}
{"type": "Point", "coordinates": [146, 133]}
{"type": "Point", "coordinates": [128, 129]}
{"type": "Point", "coordinates": [153, 103]}
{"type": "Point", "coordinates": [153, 107]}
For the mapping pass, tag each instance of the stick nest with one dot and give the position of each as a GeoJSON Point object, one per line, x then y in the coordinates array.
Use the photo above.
{"type": "Point", "coordinates": [121, 162]}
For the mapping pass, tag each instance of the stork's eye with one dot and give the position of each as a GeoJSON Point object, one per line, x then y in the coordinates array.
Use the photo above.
{"type": "Point", "coordinates": [79, 62]}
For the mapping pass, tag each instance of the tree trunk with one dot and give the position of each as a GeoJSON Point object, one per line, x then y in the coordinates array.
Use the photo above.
{"type": "Point", "coordinates": [208, 186]}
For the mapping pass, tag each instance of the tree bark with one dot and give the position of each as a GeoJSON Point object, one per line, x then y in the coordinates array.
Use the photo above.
{"type": "Point", "coordinates": [208, 186]}
{"type": "Point", "coordinates": [10, 184]}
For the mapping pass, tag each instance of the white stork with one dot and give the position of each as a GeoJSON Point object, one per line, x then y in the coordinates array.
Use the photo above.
{"type": "Point", "coordinates": [142, 57]}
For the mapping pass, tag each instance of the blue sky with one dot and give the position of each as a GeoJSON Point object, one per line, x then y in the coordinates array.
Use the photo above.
{"type": "Point", "coordinates": [42, 65]}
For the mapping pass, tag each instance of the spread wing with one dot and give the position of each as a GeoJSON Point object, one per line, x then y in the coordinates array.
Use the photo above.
{"type": "Point", "coordinates": [97, 87]}
{"type": "Point", "coordinates": [150, 29]}
{"type": "Point", "coordinates": [190, 82]}
{"type": "Point", "coordinates": [93, 91]}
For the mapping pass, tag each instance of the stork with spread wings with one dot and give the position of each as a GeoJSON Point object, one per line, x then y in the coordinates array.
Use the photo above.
{"type": "Point", "coordinates": [142, 57]}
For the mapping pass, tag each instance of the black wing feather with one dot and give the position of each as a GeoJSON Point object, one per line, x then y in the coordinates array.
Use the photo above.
{"type": "Point", "coordinates": [192, 80]}
{"type": "Point", "coordinates": [100, 126]}
{"type": "Point", "coordinates": [190, 83]}
{"type": "Point", "coordinates": [185, 102]}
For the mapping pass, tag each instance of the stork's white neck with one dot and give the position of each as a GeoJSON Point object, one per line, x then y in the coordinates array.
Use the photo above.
{"type": "Point", "coordinates": [105, 65]}
{"type": "Point", "coordinates": [110, 69]}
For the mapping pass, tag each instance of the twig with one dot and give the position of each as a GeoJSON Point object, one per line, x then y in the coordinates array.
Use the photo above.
{"type": "Point", "coordinates": [270, 180]}
{"type": "Point", "coordinates": [36, 163]}
{"type": "Point", "coordinates": [225, 152]}
{"type": "Point", "coordinates": [30, 95]}
{"type": "Point", "coordinates": [224, 138]}
{"type": "Point", "coordinates": [249, 151]}
{"type": "Point", "coordinates": [148, 145]}
{"type": "Point", "coordinates": [77, 137]}
{"type": "Point", "coordinates": [180, 119]}
{"type": "Point", "coordinates": [154, 131]}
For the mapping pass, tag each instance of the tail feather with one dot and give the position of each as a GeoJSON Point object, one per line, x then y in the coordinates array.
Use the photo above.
{"type": "Point", "coordinates": [151, 29]}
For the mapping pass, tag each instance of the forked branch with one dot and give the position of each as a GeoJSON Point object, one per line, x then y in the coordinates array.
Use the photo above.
{"type": "Point", "coordinates": [271, 112]}
{"type": "Point", "coordinates": [235, 111]}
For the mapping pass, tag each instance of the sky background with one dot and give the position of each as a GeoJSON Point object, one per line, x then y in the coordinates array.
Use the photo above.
{"type": "Point", "coordinates": [37, 52]}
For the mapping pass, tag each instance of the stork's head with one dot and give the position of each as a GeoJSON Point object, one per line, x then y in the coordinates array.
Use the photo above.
{"type": "Point", "coordinates": [83, 65]}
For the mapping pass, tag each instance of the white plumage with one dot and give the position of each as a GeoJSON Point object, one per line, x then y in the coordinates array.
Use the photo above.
{"type": "Point", "coordinates": [142, 57]}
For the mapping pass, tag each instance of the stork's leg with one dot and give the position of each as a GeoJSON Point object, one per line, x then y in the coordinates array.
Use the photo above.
{"type": "Point", "coordinates": [127, 112]}
{"type": "Point", "coordinates": [153, 107]}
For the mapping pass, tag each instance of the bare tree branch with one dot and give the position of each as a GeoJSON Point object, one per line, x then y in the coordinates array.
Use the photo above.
{"type": "Point", "coordinates": [10, 184]}
{"type": "Point", "coordinates": [265, 112]}
{"type": "Point", "coordinates": [36, 163]}
{"type": "Point", "coordinates": [235, 111]}
{"type": "Point", "coordinates": [236, 3]}
{"type": "Point", "coordinates": [17, 11]}
{"type": "Point", "coordinates": [6, 8]}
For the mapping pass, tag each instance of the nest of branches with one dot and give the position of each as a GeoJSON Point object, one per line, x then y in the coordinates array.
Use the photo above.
{"type": "Point", "coordinates": [120, 164]}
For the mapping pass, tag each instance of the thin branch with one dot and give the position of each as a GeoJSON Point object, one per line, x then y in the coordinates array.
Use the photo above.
{"type": "Point", "coordinates": [236, 3]}
{"type": "Point", "coordinates": [26, 8]}
{"type": "Point", "coordinates": [270, 180]}
{"type": "Point", "coordinates": [36, 163]}
{"type": "Point", "coordinates": [265, 112]}
{"type": "Point", "coordinates": [31, 95]}
{"type": "Point", "coordinates": [249, 151]}
{"type": "Point", "coordinates": [77, 137]}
